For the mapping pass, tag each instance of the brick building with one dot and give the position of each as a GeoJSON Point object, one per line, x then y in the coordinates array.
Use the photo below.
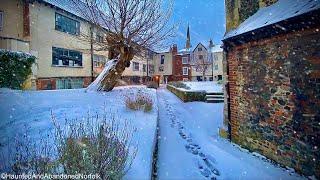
{"type": "Point", "coordinates": [273, 73]}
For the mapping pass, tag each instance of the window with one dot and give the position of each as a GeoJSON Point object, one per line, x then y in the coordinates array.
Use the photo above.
{"type": "Point", "coordinates": [184, 60]}
{"type": "Point", "coordinates": [98, 60]}
{"type": "Point", "coordinates": [1, 20]}
{"type": "Point", "coordinates": [161, 68]}
{"type": "Point", "coordinates": [144, 68]}
{"type": "Point", "coordinates": [216, 67]}
{"type": "Point", "coordinates": [135, 66]}
{"type": "Point", "coordinates": [69, 83]}
{"type": "Point", "coordinates": [65, 57]}
{"type": "Point", "coordinates": [200, 49]}
{"type": "Point", "coordinates": [215, 57]}
{"type": "Point", "coordinates": [162, 59]}
{"type": "Point", "coordinates": [185, 71]}
{"type": "Point", "coordinates": [99, 38]}
{"type": "Point", "coordinates": [151, 69]}
{"type": "Point", "coordinates": [201, 57]}
{"type": "Point", "coordinates": [67, 25]}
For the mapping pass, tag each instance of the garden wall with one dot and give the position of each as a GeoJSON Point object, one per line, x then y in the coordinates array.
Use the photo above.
{"type": "Point", "coordinates": [187, 96]}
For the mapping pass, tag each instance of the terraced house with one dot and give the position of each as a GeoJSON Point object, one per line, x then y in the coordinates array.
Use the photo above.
{"type": "Point", "coordinates": [50, 30]}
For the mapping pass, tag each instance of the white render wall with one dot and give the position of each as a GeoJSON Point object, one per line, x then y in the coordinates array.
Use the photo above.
{"type": "Point", "coordinates": [44, 37]}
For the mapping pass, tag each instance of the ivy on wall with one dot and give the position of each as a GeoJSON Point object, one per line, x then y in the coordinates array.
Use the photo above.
{"type": "Point", "coordinates": [247, 9]}
{"type": "Point", "coordinates": [15, 68]}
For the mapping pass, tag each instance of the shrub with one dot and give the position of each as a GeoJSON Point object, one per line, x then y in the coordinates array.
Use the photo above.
{"type": "Point", "coordinates": [26, 155]}
{"type": "Point", "coordinates": [152, 84]}
{"type": "Point", "coordinates": [15, 68]}
{"type": "Point", "coordinates": [97, 146]}
{"type": "Point", "coordinates": [139, 101]}
{"type": "Point", "coordinates": [179, 84]}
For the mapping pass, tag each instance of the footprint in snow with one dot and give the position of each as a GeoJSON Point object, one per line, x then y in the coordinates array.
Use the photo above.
{"type": "Point", "coordinates": [192, 149]}
{"type": "Point", "coordinates": [211, 166]}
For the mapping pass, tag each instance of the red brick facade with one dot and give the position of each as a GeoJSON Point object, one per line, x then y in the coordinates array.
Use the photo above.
{"type": "Point", "coordinates": [51, 83]}
{"type": "Point", "coordinates": [177, 66]}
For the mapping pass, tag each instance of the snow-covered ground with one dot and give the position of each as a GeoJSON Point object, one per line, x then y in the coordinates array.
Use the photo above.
{"type": "Point", "coordinates": [190, 147]}
{"type": "Point", "coordinates": [33, 108]}
{"type": "Point", "coordinates": [208, 86]}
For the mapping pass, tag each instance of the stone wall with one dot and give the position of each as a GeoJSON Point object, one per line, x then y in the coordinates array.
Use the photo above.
{"type": "Point", "coordinates": [274, 93]}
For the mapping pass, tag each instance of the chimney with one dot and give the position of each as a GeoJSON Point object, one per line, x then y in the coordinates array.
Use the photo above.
{"type": "Point", "coordinates": [174, 49]}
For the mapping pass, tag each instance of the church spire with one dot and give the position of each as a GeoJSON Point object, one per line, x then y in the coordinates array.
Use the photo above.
{"type": "Point", "coordinates": [188, 45]}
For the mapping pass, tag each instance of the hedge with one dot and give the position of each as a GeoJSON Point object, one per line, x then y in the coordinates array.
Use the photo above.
{"type": "Point", "coordinates": [15, 68]}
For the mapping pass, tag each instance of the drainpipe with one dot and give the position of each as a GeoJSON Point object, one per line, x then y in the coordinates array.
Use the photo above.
{"type": "Point", "coordinates": [91, 52]}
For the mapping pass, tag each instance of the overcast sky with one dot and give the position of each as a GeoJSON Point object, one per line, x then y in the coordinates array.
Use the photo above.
{"type": "Point", "coordinates": [206, 19]}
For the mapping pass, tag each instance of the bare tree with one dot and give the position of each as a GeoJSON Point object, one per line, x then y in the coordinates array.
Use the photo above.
{"type": "Point", "coordinates": [131, 28]}
{"type": "Point", "coordinates": [202, 65]}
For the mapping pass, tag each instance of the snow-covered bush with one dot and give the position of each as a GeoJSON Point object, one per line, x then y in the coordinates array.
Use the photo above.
{"type": "Point", "coordinates": [28, 155]}
{"type": "Point", "coordinates": [15, 68]}
{"type": "Point", "coordinates": [139, 101]}
{"type": "Point", "coordinates": [96, 146]}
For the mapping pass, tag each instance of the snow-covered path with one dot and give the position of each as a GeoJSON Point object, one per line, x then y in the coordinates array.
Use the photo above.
{"type": "Point", "coordinates": [190, 148]}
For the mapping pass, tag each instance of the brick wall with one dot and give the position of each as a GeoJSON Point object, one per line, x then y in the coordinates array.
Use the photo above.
{"type": "Point", "coordinates": [274, 93]}
{"type": "Point", "coordinates": [177, 68]}
{"type": "Point", "coordinates": [50, 83]}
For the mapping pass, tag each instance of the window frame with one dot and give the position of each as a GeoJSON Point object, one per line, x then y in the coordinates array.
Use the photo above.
{"type": "Point", "coordinates": [187, 60]}
{"type": "Point", "coordinates": [183, 73]}
{"type": "Point", "coordinates": [61, 29]}
{"type": "Point", "coordinates": [99, 38]}
{"type": "Point", "coordinates": [134, 66]}
{"type": "Point", "coordinates": [216, 67]}
{"type": "Point", "coordinates": [144, 68]}
{"type": "Point", "coordinates": [162, 58]}
{"type": "Point", "coordinates": [98, 60]}
{"type": "Point", "coordinates": [151, 68]}
{"type": "Point", "coordinates": [66, 58]}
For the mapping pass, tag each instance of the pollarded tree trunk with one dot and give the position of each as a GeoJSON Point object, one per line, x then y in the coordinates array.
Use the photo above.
{"type": "Point", "coordinates": [111, 78]}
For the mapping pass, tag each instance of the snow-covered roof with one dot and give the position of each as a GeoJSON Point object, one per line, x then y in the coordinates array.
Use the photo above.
{"type": "Point", "coordinates": [77, 8]}
{"type": "Point", "coordinates": [66, 5]}
{"type": "Point", "coordinates": [185, 50]}
{"type": "Point", "coordinates": [282, 10]}
{"type": "Point", "coordinates": [216, 48]}
{"type": "Point", "coordinates": [199, 45]}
